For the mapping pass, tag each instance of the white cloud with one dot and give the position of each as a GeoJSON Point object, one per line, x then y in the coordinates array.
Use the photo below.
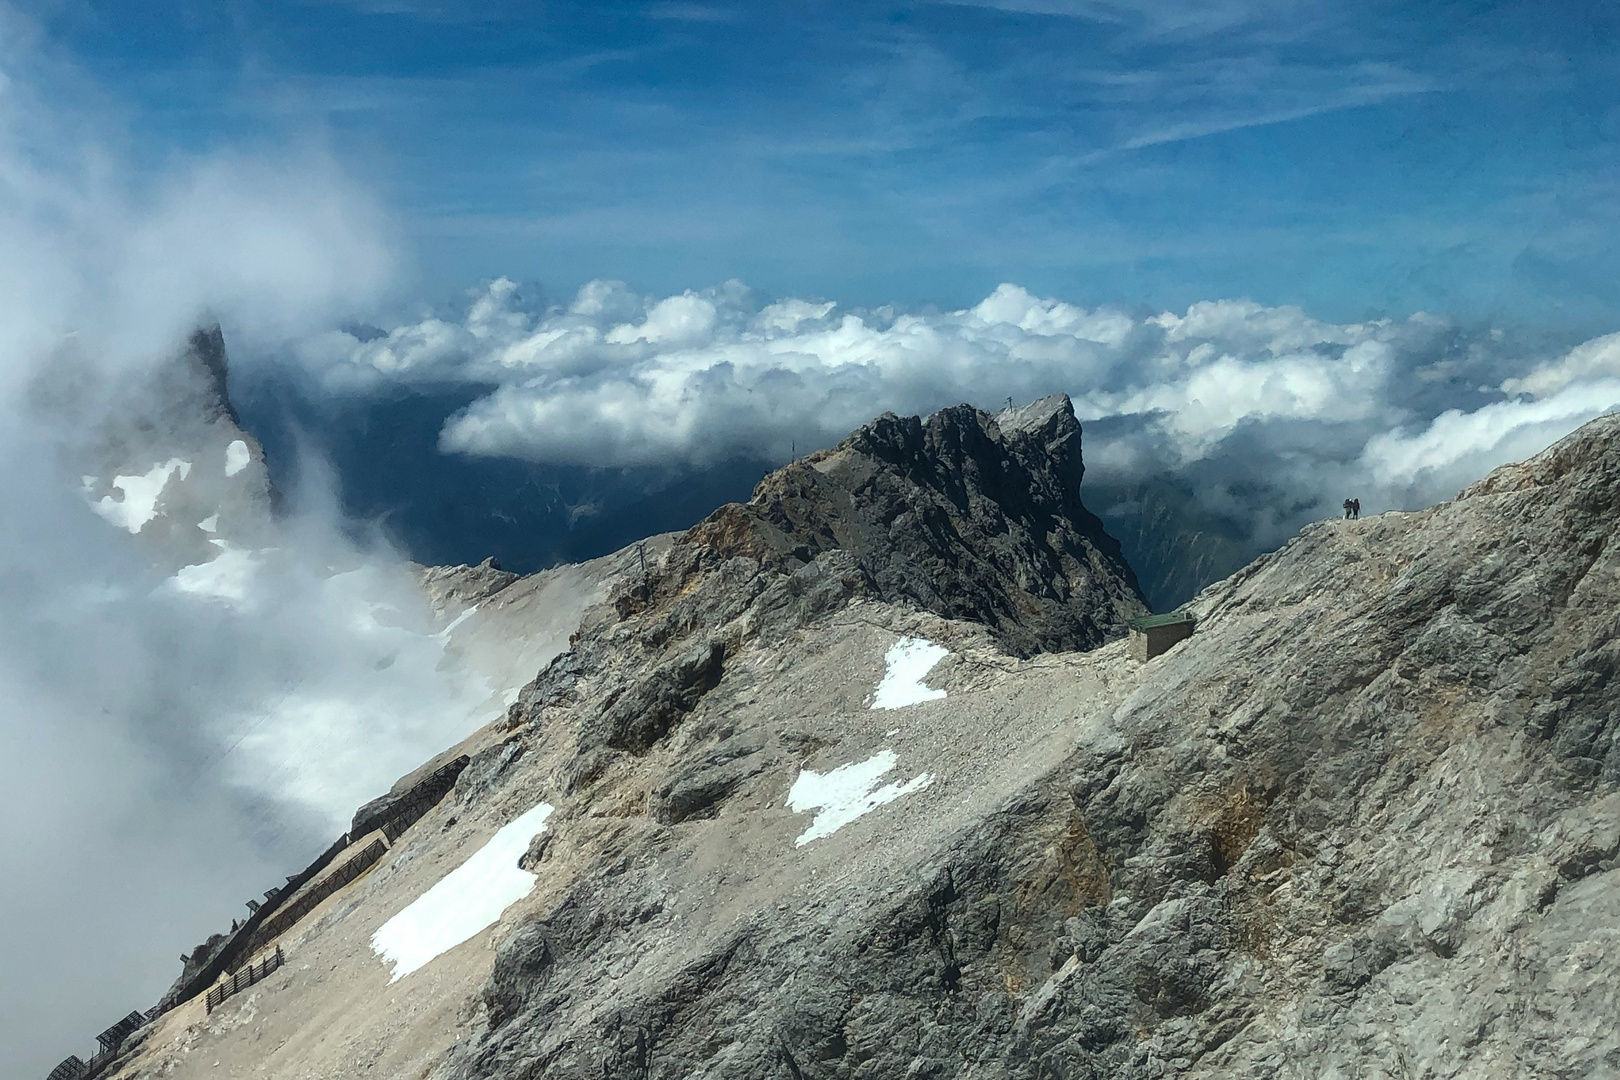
{"type": "Point", "coordinates": [702, 376]}
{"type": "Point", "coordinates": [786, 316]}
{"type": "Point", "coordinates": [155, 715]}
{"type": "Point", "coordinates": [608, 381]}
{"type": "Point", "coordinates": [1269, 415]}
{"type": "Point", "coordinates": [1458, 447]}
{"type": "Point", "coordinates": [1594, 360]}
{"type": "Point", "coordinates": [687, 319]}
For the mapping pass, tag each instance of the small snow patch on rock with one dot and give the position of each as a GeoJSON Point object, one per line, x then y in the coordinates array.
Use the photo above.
{"type": "Point", "coordinates": [140, 495]}
{"type": "Point", "coordinates": [236, 457]}
{"type": "Point", "coordinates": [908, 660]}
{"type": "Point", "coordinates": [846, 793]}
{"type": "Point", "coordinates": [444, 635]}
{"type": "Point", "coordinates": [228, 576]}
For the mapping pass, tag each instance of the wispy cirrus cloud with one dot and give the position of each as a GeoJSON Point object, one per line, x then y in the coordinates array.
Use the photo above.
{"type": "Point", "coordinates": [1276, 96]}
{"type": "Point", "coordinates": [1178, 17]}
{"type": "Point", "coordinates": [696, 13]}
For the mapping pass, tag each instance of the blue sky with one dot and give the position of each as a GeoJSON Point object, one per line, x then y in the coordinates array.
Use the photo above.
{"type": "Point", "coordinates": [1352, 159]}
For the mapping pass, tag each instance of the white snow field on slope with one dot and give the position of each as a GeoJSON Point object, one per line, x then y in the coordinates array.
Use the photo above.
{"type": "Point", "coordinates": [908, 660]}
{"type": "Point", "coordinates": [846, 794]}
{"type": "Point", "coordinates": [467, 900]}
{"type": "Point", "coordinates": [236, 457]}
{"type": "Point", "coordinates": [444, 635]}
{"type": "Point", "coordinates": [227, 577]}
{"type": "Point", "coordinates": [139, 504]}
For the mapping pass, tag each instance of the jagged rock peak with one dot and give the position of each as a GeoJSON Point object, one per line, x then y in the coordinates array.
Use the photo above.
{"type": "Point", "coordinates": [965, 514]}
{"type": "Point", "coordinates": [460, 586]}
{"type": "Point", "coordinates": [190, 389]}
{"type": "Point", "coordinates": [206, 350]}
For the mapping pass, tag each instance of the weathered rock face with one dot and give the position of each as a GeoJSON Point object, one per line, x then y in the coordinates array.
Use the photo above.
{"type": "Point", "coordinates": [1363, 823]}
{"type": "Point", "coordinates": [462, 586]}
{"type": "Point", "coordinates": [963, 514]}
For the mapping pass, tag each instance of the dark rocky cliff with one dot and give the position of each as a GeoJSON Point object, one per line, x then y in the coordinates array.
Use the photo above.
{"type": "Point", "coordinates": [963, 514]}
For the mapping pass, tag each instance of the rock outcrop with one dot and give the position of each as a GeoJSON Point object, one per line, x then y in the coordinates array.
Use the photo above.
{"type": "Point", "coordinates": [161, 454]}
{"type": "Point", "coordinates": [963, 514]}
{"type": "Point", "coordinates": [1363, 823]}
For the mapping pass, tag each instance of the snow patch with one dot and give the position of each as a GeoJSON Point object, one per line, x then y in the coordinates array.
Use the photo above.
{"type": "Point", "coordinates": [846, 793]}
{"type": "Point", "coordinates": [469, 899]}
{"type": "Point", "coordinates": [444, 635]}
{"type": "Point", "coordinates": [236, 457]}
{"type": "Point", "coordinates": [908, 660]}
{"type": "Point", "coordinates": [210, 523]}
{"type": "Point", "coordinates": [140, 495]}
{"type": "Point", "coordinates": [228, 576]}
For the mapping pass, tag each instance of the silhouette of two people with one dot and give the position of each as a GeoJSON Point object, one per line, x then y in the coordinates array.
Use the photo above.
{"type": "Point", "coordinates": [1352, 508]}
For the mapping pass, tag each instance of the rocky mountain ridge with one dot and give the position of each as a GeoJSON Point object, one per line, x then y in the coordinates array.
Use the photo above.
{"type": "Point", "coordinates": [1362, 823]}
{"type": "Point", "coordinates": [170, 462]}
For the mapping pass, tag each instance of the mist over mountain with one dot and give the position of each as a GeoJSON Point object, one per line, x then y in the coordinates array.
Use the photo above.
{"type": "Point", "coordinates": [329, 721]}
{"type": "Point", "coordinates": [382, 454]}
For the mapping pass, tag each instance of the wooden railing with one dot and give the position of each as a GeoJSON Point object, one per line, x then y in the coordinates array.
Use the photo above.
{"type": "Point", "coordinates": [237, 944]}
{"type": "Point", "coordinates": [290, 913]}
{"type": "Point", "coordinates": [244, 978]}
{"type": "Point", "coordinates": [402, 814]}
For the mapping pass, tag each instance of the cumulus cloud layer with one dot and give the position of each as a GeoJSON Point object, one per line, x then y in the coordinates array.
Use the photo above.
{"type": "Point", "coordinates": [1270, 415]}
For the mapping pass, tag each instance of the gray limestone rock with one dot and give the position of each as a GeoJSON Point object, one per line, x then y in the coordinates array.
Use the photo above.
{"type": "Point", "coordinates": [963, 514]}
{"type": "Point", "coordinates": [460, 587]}
{"type": "Point", "coordinates": [698, 791]}
{"type": "Point", "coordinates": [1362, 823]}
{"type": "Point", "coordinates": [1304, 846]}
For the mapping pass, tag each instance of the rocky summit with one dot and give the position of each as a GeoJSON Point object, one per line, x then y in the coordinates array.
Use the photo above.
{"type": "Point", "coordinates": [859, 780]}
